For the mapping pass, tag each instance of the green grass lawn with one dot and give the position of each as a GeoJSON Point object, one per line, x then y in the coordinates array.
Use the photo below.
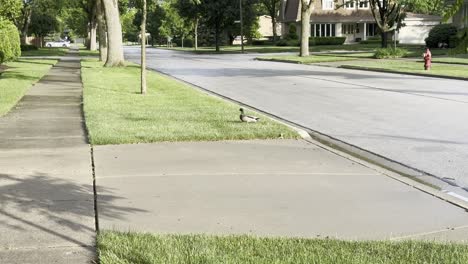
{"type": "Point", "coordinates": [45, 52]}
{"type": "Point", "coordinates": [84, 52]}
{"type": "Point", "coordinates": [306, 60]}
{"type": "Point", "coordinates": [18, 78]}
{"type": "Point", "coordinates": [406, 66]}
{"type": "Point", "coordinates": [171, 111]}
{"type": "Point", "coordinates": [129, 248]}
{"type": "Point", "coordinates": [458, 59]}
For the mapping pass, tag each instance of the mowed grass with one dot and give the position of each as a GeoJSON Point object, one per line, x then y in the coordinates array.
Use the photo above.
{"type": "Point", "coordinates": [458, 59]}
{"type": "Point", "coordinates": [123, 248]}
{"type": "Point", "coordinates": [407, 66]}
{"type": "Point", "coordinates": [306, 60]}
{"type": "Point", "coordinates": [18, 78]}
{"type": "Point", "coordinates": [171, 111]}
{"type": "Point", "coordinates": [43, 52]}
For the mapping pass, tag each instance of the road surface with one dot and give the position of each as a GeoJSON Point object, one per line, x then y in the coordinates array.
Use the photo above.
{"type": "Point", "coordinates": [418, 121]}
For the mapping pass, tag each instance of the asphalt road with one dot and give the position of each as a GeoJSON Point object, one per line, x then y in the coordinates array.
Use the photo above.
{"type": "Point", "coordinates": [418, 121]}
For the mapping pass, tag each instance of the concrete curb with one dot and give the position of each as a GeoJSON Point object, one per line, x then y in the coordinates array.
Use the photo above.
{"type": "Point", "coordinates": [349, 67]}
{"type": "Point", "coordinates": [413, 177]}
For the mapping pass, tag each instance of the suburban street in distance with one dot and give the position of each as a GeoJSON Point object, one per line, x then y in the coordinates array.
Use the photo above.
{"type": "Point", "coordinates": [418, 121]}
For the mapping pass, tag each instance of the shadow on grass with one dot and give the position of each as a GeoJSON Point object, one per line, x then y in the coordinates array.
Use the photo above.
{"type": "Point", "coordinates": [17, 76]}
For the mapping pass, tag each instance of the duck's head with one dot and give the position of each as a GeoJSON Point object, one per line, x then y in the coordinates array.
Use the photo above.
{"type": "Point", "coordinates": [242, 110]}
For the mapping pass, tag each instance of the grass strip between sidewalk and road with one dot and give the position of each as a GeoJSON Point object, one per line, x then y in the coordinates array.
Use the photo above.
{"type": "Point", "coordinates": [45, 52]}
{"type": "Point", "coordinates": [171, 111]}
{"type": "Point", "coordinates": [17, 78]}
{"type": "Point", "coordinates": [406, 66]}
{"type": "Point", "coordinates": [115, 247]}
{"type": "Point", "coordinates": [305, 60]}
{"type": "Point", "coordinates": [458, 59]}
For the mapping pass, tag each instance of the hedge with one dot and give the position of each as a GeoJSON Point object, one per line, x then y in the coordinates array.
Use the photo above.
{"type": "Point", "coordinates": [262, 42]}
{"type": "Point", "coordinates": [390, 53]}
{"type": "Point", "coordinates": [10, 41]}
{"type": "Point", "coordinates": [444, 34]}
{"type": "Point", "coordinates": [28, 47]}
{"type": "Point", "coordinates": [327, 41]}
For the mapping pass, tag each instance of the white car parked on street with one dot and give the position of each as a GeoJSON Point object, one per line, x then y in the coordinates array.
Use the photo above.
{"type": "Point", "coordinates": [59, 43]}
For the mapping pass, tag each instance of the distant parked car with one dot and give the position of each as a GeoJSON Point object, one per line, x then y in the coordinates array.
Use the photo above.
{"type": "Point", "coordinates": [59, 43]}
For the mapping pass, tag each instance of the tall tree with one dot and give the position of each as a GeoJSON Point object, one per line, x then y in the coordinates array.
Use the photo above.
{"type": "Point", "coordinates": [143, 49]}
{"type": "Point", "coordinates": [192, 11]}
{"type": "Point", "coordinates": [101, 20]}
{"type": "Point", "coordinates": [306, 11]}
{"type": "Point", "coordinates": [272, 7]}
{"type": "Point", "coordinates": [388, 15]}
{"type": "Point", "coordinates": [115, 55]}
{"type": "Point", "coordinates": [218, 15]}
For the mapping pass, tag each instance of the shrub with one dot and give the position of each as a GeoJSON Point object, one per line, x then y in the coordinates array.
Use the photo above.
{"type": "Point", "coordinates": [188, 42]}
{"type": "Point", "coordinates": [28, 47]}
{"type": "Point", "coordinates": [9, 41]}
{"type": "Point", "coordinates": [263, 42]}
{"type": "Point", "coordinates": [327, 40]}
{"type": "Point", "coordinates": [282, 43]}
{"type": "Point", "coordinates": [288, 42]}
{"type": "Point", "coordinates": [390, 53]}
{"type": "Point", "coordinates": [440, 35]}
{"type": "Point", "coordinates": [292, 34]}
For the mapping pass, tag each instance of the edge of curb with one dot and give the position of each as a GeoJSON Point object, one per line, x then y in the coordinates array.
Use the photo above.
{"type": "Point", "coordinates": [349, 67]}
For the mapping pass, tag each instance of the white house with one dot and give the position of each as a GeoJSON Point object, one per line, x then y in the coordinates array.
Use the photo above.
{"type": "Point", "coordinates": [352, 20]}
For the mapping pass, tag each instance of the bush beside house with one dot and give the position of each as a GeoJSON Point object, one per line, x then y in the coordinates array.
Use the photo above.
{"type": "Point", "coordinates": [327, 41]}
{"type": "Point", "coordinates": [390, 53]}
{"type": "Point", "coordinates": [9, 42]}
{"type": "Point", "coordinates": [442, 35]}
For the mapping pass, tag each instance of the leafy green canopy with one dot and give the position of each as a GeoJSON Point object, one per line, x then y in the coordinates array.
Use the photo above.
{"type": "Point", "coordinates": [10, 9]}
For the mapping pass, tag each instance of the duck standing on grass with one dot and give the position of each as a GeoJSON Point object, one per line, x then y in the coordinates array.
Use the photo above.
{"type": "Point", "coordinates": [247, 118]}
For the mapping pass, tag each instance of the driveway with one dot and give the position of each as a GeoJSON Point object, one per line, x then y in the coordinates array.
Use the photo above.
{"type": "Point", "coordinates": [418, 121]}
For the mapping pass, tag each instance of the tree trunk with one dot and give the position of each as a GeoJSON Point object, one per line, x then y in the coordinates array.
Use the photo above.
{"type": "Point", "coordinates": [27, 22]}
{"type": "Point", "coordinates": [92, 35]}
{"type": "Point", "coordinates": [101, 31]}
{"type": "Point", "coordinates": [305, 32]}
{"type": "Point", "coordinates": [115, 55]}
{"type": "Point", "coordinates": [217, 37]}
{"type": "Point", "coordinates": [143, 50]}
{"type": "Point", "coordinates": [196, 33]}
{"type": "Point", "coordinates": [273, 23]}
{"type": "Point", "coordinates": [384, 39]}
{"type": "Point", "coordinates": [182, 41]}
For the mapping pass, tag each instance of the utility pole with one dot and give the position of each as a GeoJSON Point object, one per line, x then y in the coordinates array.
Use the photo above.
{"type": "Point", "coordinates": [241, 25]}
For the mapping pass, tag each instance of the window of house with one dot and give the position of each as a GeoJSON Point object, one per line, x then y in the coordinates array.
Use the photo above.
{"type": "Point", "coordinates": [363, 4]}
{"type": "Point", "coordinates": [328, 4]}
{"type": "Point", "coordinates": [348, 29]}
{"type": "Point", "coordinates": [350, 4]}
{"type": "Point", "coordinates": [323, 30]}
{"type": "Point", "coordinates": [371, 29]}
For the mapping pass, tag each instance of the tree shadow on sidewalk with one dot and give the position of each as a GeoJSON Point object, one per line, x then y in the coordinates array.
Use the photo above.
{"type": "Point", "coordinates": [55, 207]}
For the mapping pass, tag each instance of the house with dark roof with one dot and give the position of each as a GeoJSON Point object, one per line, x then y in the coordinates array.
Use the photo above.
{"type": "Point", "coordinates": [353, 20]}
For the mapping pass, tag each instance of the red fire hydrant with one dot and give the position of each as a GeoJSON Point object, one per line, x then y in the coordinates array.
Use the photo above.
{"type": "Point", "coordinates": [427, 59]}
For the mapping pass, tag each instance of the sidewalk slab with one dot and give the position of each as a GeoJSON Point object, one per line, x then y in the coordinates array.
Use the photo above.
{"type": "Point", "coordinates": [269, 188]}
{"type": "Point", "coordinates": [46, 191]}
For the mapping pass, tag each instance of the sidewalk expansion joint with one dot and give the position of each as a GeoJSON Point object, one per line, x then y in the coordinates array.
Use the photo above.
{"type": "Point", "coordinates": [46, 247]}
{"type": "Point", "coordinates": [445, 230]}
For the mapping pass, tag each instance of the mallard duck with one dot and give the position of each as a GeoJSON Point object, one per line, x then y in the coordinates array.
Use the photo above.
{"type": "Point", "coordinates": [247, 118]}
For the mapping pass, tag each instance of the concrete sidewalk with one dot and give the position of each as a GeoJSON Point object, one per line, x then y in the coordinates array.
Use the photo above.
{"type": "Point", "coordinates": [268, 188]}
{"type": "Point", "coordinates": [46, 192]}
